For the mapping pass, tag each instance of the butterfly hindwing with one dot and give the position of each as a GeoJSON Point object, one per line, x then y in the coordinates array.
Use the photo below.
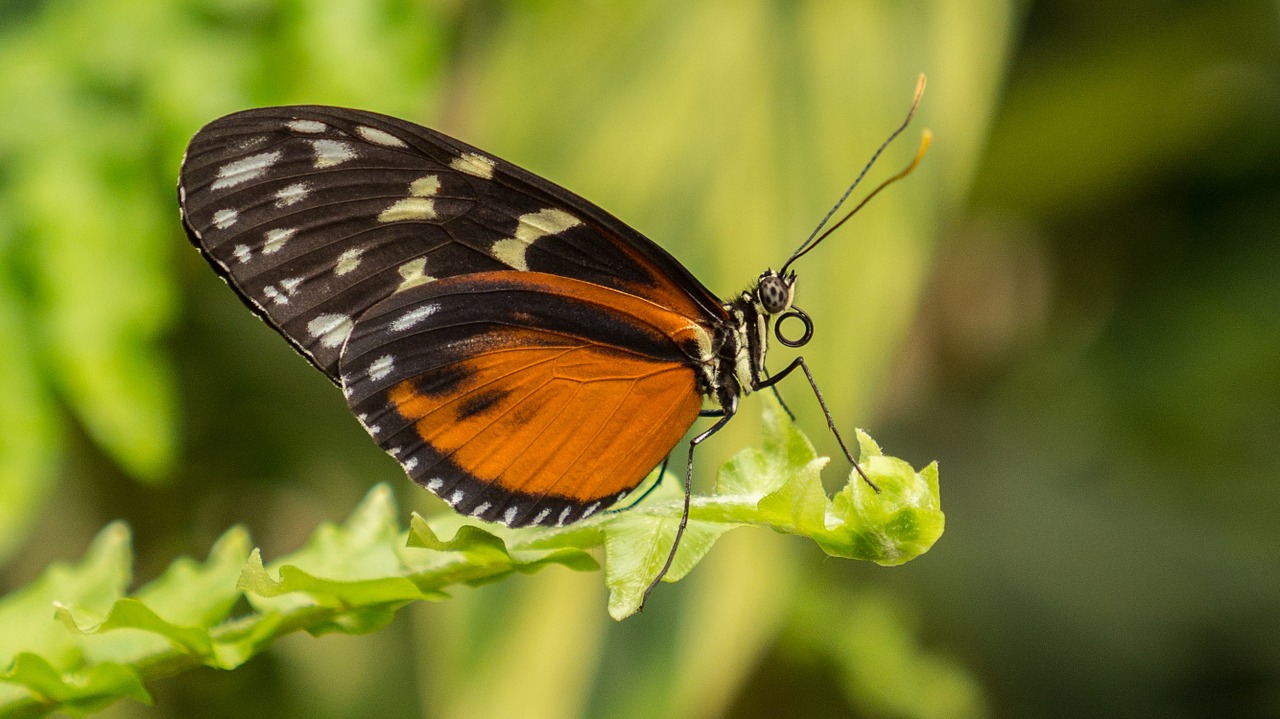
{"type": "Point", "coordinates": [524, 397]}
{"type": "Point", "coordinates": [315, 214]}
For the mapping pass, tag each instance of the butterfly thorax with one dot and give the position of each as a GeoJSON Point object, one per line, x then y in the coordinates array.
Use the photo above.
{"type": "Point", "coordinates": [743, 341]}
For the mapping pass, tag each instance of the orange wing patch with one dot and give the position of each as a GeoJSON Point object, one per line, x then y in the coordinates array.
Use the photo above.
{"type": "Point", "coordinates": [524, 397]}
{"type": "Point", "coordinates": [578, 421]}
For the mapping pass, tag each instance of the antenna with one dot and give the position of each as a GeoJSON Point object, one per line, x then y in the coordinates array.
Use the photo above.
{"type": "Point", "coordinates": [925, 138]}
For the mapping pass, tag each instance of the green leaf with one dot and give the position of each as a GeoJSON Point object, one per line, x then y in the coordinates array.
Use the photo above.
{"type": "Point", "coordinates": [352, 577]}
{"type": "Point", "coordinates": [193, 593]}
{"type": "Point", "coordinates": [131, 613]}
{"type": "Point", "coordinates": [173, 611]}
{"type": "Point", "coordinates": [790, 473]}
{"type": "Point", "coordinates": [351, 573]}
{"type": "Point", "coordinates": [81, 693]}
{"type": "Point", "coordinates": [778, 486]}
{"type": "Point", "coordinates": [74, 642]}
{"type": "Point", "coordinates": [475, 544]}
{"type": "Point", "coordinates": [27, 623]}
{"type": "Point", "coordinates": [36, 650]}
{"type": "Point", "coordinates": [477, 555]}
{"type": "Point", "coordinates": [357, 560]}
{"type": "Point", "coordinates": [889, 527]}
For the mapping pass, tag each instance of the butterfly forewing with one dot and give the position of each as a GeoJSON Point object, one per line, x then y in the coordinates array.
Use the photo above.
{"type": "Point", "coordinates": [316, 214]}
{"type": "Point", "coordinates": [524, 397]}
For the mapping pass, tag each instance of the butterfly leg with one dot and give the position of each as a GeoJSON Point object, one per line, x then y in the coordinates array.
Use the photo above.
{"type": "Point", "coordinates": [688, 489]}
{"type": "Point", "coordinates": [662, 472]}
{"type": "Point", "coordinates": [831, 423]}
{"type": "Point", "coordinates": [776, 394]}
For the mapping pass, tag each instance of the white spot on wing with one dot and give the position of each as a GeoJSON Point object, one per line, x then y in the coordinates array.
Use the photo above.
{"type": "Point", "coordinates": [435, 484]}
{"type": "Point", "coordinates": [409, 464]}
{"type": "Point", "coordinates": [480, 509]}
{"type": "Point", "coordinates": [276, 238]}
{"type": "Point", "coordinates": [289, 287]}
{"type": "Point", "coordinates": [563, 516]}
{"type": "Point", "coordinates": [348, 261]}
{"type": "Point", "coordinates": [544, 222]}
{"type": "Point", "coordinates": [590, 510]}
{"type": "Point", "coordinates": [381, 367]}
{"type": "Point", "coordinates": [474, 164]}
{"type": "Point", "coordinates": [456, 498]}
{"type": "Point", "coordinates": [292, 194]}
{"type": "Point", "coordinates": [413, 317]}
{"type": "Point", "coordinates": [242, 253]}
{"type": "Point", "coordinates": [414, 274]}
{"type": "Point", "coordinates": [511, 253]}
{"type": "Point", "coordinates": [381, 137]}
{"type": "Point", "coordinates": [222, 219]}
{"type": "Point", "coordinates": [308, 126]}
{"type": "Point", "coordinates": [533, 226]}
{"type": "Point", "coordinates": [364, 422]}
{"type": "Point", "coordinates": [418, 205]}
{"type": "Point", "coordinates": [243, 170]}
{"type": "Point", "coordinates": [509, 516]}
{"type": "Point", "coordinates": [542, 515]}
{"type": "Point", "coordinates": [410, 208]}
{"type": "Point", "coordinates": [332, 329]}
{"type": "Point", "coordinates": [424, 186]}
{"type": "Point", "coordinates": [331, 152]}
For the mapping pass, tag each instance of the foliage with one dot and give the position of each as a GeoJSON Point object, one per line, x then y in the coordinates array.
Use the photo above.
{"type": "Point", "coordinates": [97, 118]}
{"type": "Point", "coordinates": [1072, 303]}
{"type": "Point", "coordinates": [75, 641]}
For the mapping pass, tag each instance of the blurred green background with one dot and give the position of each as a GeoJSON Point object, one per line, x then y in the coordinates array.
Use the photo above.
{"type": "Point", "coordinates": [1074, 306]}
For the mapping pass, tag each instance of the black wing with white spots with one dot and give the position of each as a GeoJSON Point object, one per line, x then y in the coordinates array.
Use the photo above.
{"type": "Point", "coordinates": [315, 214]}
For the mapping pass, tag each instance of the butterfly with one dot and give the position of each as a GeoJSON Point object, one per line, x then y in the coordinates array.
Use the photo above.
{"type": "Point", "coordinates": [521, 353]}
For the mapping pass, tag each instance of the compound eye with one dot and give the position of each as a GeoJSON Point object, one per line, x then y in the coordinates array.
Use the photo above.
{"type": "Point", "coordinates": [774, 293]}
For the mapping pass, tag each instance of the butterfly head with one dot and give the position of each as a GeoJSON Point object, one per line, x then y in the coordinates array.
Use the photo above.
{"type": "Point", "coordinates": [775, 292]}
{"type": "Point", "coordinates": [773, 297]}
